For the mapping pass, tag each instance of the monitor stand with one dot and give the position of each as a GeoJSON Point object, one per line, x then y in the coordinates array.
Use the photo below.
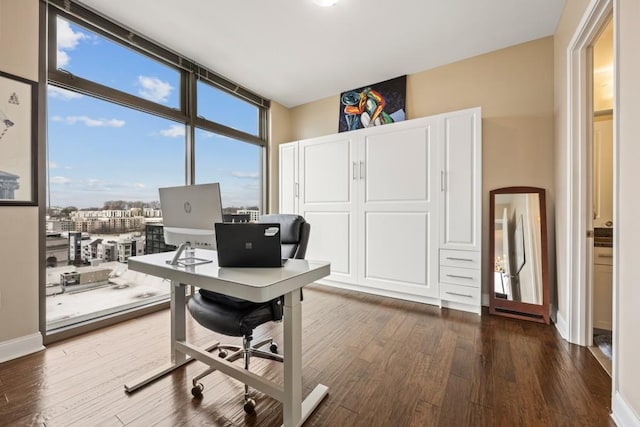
{"type": "Point", "coordinates": [189, 258]}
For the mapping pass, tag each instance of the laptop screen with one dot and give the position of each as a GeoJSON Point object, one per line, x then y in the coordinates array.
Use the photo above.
{"type": "Point", "coordinates": [248, 244]}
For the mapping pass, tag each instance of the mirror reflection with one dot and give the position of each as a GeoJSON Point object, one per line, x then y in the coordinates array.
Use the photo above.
{"type": "Point", "coordinates": [518, 248]}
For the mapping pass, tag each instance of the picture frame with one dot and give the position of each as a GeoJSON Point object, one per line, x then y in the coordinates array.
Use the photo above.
{"type": "Point", "coordinates": [18, 140]}
{"type": "Point", "coordinates": [373, 105]}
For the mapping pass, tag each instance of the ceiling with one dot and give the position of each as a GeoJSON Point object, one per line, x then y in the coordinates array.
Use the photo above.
{"type": "Point", "coordinates": [294, 52]}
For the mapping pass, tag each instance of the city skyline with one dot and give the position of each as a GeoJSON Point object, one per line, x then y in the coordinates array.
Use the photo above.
{"type": "Point", "coordinates": [100, 151]}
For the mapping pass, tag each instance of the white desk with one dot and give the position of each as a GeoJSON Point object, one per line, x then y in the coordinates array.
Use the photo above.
{"type": "Point", "coordinates": [255, 284]}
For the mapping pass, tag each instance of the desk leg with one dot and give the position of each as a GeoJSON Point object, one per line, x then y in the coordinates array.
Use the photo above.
{"type": "Point", "coordinates": [178, 333]}
{"type": "Point", "coordinates": [292, 405]}
{"type": "Point", "coordinates": [295, 411]}
{"type": "Point", "coordinates": [178, 320]}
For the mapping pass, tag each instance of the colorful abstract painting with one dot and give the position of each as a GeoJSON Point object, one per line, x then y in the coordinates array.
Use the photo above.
{"type": "Point", "coordinates": [373, 105]}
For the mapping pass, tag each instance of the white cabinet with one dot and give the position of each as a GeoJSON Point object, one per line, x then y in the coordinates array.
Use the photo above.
{"type": "Point", "coordinates": [328, 176]}
{"type": "Point", "coordinates": [603, 288]}
{"type": "Point", "coordinates": [461, 219]}
{"type": "Point", "coordinates": [398, 208]}
{"type": "Point", "coordinates": [385, 202]}
{"type": "Point", "coordinates": [461, 181]}
{"type": "Point", "coordinates": [602, 172]}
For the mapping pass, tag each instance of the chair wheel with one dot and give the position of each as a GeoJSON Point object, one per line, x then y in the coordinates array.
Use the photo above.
{"type": "Point", "coordinates": [250, 406]}
{"type": "Point", "coordinates": [222, 354]}
{"type": "Point", "coordinates": [274, 348]}
{"type": "Point", "coordinates": [196, 391]}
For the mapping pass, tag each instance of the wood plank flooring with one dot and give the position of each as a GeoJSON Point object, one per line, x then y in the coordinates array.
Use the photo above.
{"type": "Point", "coordinates": [386, 363]}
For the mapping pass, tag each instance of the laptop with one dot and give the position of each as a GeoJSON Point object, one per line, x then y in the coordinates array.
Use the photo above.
{"type": "Point", "coordinates": [249, 244]}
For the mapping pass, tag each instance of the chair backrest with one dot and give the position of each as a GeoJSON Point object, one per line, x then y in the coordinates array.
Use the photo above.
{"type": "Point", "coordinates": [294, 233]}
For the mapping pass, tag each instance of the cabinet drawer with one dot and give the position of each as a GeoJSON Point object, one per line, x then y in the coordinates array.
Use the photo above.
{"type": "Point", "coordinates": [464, 259]}
{"type": "Point", "coordinates": [603, 256]}
{"type": "Point", "coordinates": [458, 293]}
{"type": "Point", "coordinates": [460, 276]}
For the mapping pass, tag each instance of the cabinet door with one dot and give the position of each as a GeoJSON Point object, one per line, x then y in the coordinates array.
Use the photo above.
{"type": "Point", "coordinates": [461, 180]}
{"type": "Point", "coordinates": [288, 184]}
{"type": "Point", "coordinates": [602, 296]}
{"type": "Point", "coordinates": [398, 188]}
{"type": "Point", "coordinates": [327, 171]}
{"type": "Point", "coordinates": [602, 172]}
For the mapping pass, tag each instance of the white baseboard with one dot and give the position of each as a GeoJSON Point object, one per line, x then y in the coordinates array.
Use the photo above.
{"type": "Point", "coordinates": [622, 414]}
{"type": "Point", "coordinates": [561, 326]}
{"type": "Point", "coordinates": [19, 347]}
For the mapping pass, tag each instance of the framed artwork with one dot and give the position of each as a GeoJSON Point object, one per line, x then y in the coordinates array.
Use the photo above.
{"type": "Point", "coordinates": [18, 141]}
{"type": "Point", "coordinates": [373, 105]}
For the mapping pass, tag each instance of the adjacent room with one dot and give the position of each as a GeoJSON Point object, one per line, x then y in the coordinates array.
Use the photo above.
{"type": "Point", "coordinates": [319, 212]}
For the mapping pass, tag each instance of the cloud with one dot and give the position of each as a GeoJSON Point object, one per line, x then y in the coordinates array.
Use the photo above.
{"type": "Point", "coordinates": [88, 121]}
{"type": "Point", "coordinates": [67, 39]}
{"type": "Point", "coordinates": [59, 93]}
{"type": "Point", "coordinates": [174, 131]}
{"type": "Point", "coordinates": [245, 175]}
{"type": "Point", "coordinates": [154, 89]}
{"type": "Point", "coordinates": [59, 180]}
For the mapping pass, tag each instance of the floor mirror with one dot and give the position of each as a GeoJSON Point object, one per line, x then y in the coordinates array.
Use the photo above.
{"type": "Point", "coordinates": [518, 258]}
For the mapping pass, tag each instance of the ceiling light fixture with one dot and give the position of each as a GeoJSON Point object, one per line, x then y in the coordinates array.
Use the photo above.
{"type": "Point", "coordinates": [325, 3]}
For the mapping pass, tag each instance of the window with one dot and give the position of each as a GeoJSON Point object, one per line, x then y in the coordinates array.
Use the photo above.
{"type": "Point", "coordinates": [86, 54]}
{"type": "Point", "coordinates": [105, 164]}
{"type": "Point", "coordinates": [117, 131]}
{"type": "Point", "coordinates": [220, 107]}
{"type": "Point", "coordinates": [234, 164]}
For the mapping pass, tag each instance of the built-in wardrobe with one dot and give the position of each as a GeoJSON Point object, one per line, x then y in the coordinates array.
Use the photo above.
{"type": "Point", "coordinates": [396, 209]}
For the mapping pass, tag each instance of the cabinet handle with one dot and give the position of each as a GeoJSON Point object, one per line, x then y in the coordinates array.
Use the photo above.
{"type": "Point", "coordinates": [441, 180]}
{"type": "Point", "coordinates": [459, 277]}
{"type": "Point", "coordinates": [355, 170]}
{"type": "Point", "coordinates": [605, 256]}
{"type": "Point", "coordinates": [297, 190]}
{"type": "Point", "coordinates": [361, 170]}
{"type": "Point", "coordinates": [459, 259]}
{"type": "Point", "coordinates": [458, 294]}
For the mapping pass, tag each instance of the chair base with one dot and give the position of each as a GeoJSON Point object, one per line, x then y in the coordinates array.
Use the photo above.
{"type": "Point", "coordinates": [246, 351]}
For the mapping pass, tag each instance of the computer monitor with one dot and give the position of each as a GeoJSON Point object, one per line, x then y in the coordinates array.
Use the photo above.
{"type": "Point", "coordinates": [189, 213]}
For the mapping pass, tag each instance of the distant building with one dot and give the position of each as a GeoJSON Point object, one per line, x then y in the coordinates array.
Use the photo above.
{"type": "Point", "coordinates": [57, 249]}
{"type": "Point", "coordinates": [107, 251]}
{"type": "Point", "coordinates": [75, 248]}
{"type": "Point", "coordinates": [154, 239]}
{"type": "Point", "coordinates": [254, 215]}
{"type": "Point", "coordinates": [129, 247]}
{"type": "Point", "coordinates": [90, 251]}
{"type": "Point", "coordinates": [88, 277]}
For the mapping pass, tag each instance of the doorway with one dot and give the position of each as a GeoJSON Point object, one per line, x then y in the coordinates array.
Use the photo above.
{"type": "Point", "coordinates": [601, 172]}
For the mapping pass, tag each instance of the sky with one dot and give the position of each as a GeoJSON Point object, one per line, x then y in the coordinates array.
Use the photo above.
{"type": "Point", "coordinates": [99, 151]}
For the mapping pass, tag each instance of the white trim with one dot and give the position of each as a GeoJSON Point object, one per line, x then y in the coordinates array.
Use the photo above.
{"type": "Point", "coordinates": [561, 325]}
{"type": "Point", "coordinates": [622, 414]}
{"type": "Point", "coordinates": [616, 203]}
{"type": "Point", "coordinates": [579, 317]}
{"type": "Point", "coordinates": [21, 346]}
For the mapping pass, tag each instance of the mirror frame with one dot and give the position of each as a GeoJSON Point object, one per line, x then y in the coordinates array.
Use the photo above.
{"type": "Point", "coordinates": [518, 309]}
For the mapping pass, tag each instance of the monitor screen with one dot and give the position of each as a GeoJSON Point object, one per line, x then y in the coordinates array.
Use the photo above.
{"type": "Point", "coordinates": [189, 213]}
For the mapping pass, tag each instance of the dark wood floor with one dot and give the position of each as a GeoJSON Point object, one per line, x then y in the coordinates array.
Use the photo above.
{"type": "Point", "coordinates": [386, 362]}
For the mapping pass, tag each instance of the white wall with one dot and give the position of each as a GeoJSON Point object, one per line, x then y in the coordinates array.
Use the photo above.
{"type": "Point", "coordinates": [19, 225]}
{"type": "Point", "coordinates": [627, 374]}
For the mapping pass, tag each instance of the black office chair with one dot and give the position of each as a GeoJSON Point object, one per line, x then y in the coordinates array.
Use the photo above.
{"type": "Point", "coordinates": [236, 317]}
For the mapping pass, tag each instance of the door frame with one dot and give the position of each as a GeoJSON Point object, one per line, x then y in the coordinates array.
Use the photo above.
{"type": "Point", "coordinates": [580, 124]}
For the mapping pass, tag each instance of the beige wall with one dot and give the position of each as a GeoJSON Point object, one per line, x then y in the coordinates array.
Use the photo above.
{"type": "Point", "coordinates": [279, 132]}
{"type": "Point", "coordinates": [628, 298]}
{"type": "Point", "coordinates": [19, 225]}
{"type": "Point", "coordinates": [514, 87]}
